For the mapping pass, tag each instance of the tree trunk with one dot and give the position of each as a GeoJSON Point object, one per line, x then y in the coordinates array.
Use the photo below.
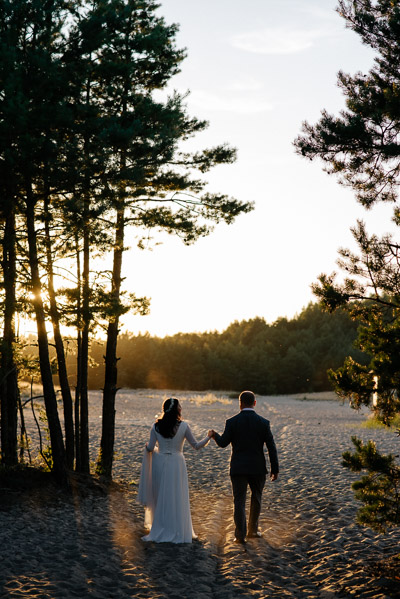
{"type": "Point", "coordinates": [84, 414]}
{"type": "Point", "coordinates": [56, 438]}
{"type": "Point", "coordinates": [85, 311]}
{"type": "Point", "coordinates": [9, 374]}
{"type": "Point", "coordinates": [78, 460]}
{"type": "Point", "coordinates": [62, 367]}
{"type": "Point", "coordinates": [78, 359]}
{"type": "Point", "coordinates": [105, 461]}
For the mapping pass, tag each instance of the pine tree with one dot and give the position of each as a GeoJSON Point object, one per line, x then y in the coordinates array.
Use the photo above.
{"type": "Point", "coordinates": [30, 93]}
{"type": "Point", "coordinates": [370, 293]}
{"type": "Point", "coordinates": [361, 147]}
{"type": "Point", "coordinates": [378, 490]}
{"type": "Point", "coordinates": [148, 181]}
{"type": "Point", "coordinates": [361, 144]}
{"type": "Point", "coordinates": [91, 152]}
{"type": "Point", "coordinates": [8, 197]}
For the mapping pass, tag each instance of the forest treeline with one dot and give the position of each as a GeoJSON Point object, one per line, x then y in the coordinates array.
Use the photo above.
{"type": "Point", "coordinates": [287, 356]}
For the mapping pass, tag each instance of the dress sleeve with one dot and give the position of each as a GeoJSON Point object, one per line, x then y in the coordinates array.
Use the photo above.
{"type": "Point", "coordinates": [145, 492]}
{"type": "Point", "coordinates": [195, 444]}
{"type": "Point", "coordinates": [153, 439]}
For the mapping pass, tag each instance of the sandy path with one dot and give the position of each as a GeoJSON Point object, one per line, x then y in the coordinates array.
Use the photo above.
{"type": "Point", "coordinates": [311, 548]}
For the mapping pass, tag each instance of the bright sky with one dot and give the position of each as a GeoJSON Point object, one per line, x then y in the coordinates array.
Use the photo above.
{"type": "Point", "coordinates": [255, 70]}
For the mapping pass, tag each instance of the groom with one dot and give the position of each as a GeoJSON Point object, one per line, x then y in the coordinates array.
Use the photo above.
{"type": "Point", "coordinates": [247, 432]}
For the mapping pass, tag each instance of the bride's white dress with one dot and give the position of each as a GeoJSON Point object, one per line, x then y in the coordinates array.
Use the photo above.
{"type": "Point", "coordinates": [164, 489]}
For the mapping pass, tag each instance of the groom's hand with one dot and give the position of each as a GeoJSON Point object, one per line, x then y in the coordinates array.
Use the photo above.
{"type": "Point", "coordinates": [273, 477]}
{"type": "Point", "coordinates": [211, 433]}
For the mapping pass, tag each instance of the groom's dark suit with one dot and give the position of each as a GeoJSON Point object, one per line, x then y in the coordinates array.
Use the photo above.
{"type": "Point", "coordinates": [248, 432]}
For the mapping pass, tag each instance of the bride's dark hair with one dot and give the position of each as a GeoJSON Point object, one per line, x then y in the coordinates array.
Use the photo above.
{"type": "Point", "coordinates": [166, 425]}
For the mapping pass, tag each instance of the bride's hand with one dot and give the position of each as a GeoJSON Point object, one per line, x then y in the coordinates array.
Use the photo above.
{"type": "Point", "coordinates": [211, 433]}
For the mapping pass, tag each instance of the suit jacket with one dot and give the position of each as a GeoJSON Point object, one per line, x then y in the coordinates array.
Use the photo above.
{"type": "Point", "coordinates": [247, 432]}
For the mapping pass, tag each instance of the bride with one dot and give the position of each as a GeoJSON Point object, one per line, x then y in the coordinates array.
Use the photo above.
{"type": "Point", "coordinates": [163, 486]}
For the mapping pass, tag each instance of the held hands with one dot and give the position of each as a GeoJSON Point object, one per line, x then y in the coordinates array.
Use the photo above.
{"type": "Point", "coordinates": [211, 433]}
{"type": "Point", "coordinates": [273, 477]}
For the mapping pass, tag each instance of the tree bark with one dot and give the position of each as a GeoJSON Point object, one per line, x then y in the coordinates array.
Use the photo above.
{"type": "Point", "coordinates": [9, 374]}
{"type": "Point", "coordinates": [83, 388]}
{"type": "Point", "coordinates": [56, 438]}
{"type": "Point", "coordinates": [85, 301]}
{"type": "Point", "coordinates": [61, 362]}
{"type": "Point", "coordinates": [105, 461]}
{"type": "Point", "coordinates": [78, 357]}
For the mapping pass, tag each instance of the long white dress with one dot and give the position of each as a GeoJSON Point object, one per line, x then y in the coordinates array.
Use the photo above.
{"type": "Point", "coordinates": [164, 489]}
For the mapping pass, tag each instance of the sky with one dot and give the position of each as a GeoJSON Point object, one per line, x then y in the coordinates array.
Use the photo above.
{"type": "Point", "coordinates": [255, 71]}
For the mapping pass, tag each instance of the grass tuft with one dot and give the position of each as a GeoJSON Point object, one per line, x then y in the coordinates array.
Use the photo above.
{"type": "Point", "coordinates": [373, 423]}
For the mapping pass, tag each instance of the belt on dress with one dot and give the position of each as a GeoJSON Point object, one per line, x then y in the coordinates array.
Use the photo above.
{"type": "Point", "coordinates": [168, 452]}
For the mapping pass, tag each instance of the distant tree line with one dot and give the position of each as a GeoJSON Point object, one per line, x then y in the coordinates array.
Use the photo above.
{"type": "Point", "coordinates": [288, 356]}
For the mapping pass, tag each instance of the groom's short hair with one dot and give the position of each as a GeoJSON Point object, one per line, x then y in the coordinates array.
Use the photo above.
{"type": "Point", "coordinates": [247, 398]}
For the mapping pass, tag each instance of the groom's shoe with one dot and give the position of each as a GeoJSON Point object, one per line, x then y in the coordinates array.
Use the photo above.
{"type": "Point", "coordinates": [254, 535]}
{"type": "Point", "coordinates": [240, 541]}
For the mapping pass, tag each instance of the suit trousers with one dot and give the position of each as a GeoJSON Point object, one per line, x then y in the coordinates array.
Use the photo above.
{"type": "Point", "coordinates": [240, 482]}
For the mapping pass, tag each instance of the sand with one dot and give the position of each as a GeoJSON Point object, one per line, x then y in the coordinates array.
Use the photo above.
{"type": "Point", "coordinates": [311, 546]}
